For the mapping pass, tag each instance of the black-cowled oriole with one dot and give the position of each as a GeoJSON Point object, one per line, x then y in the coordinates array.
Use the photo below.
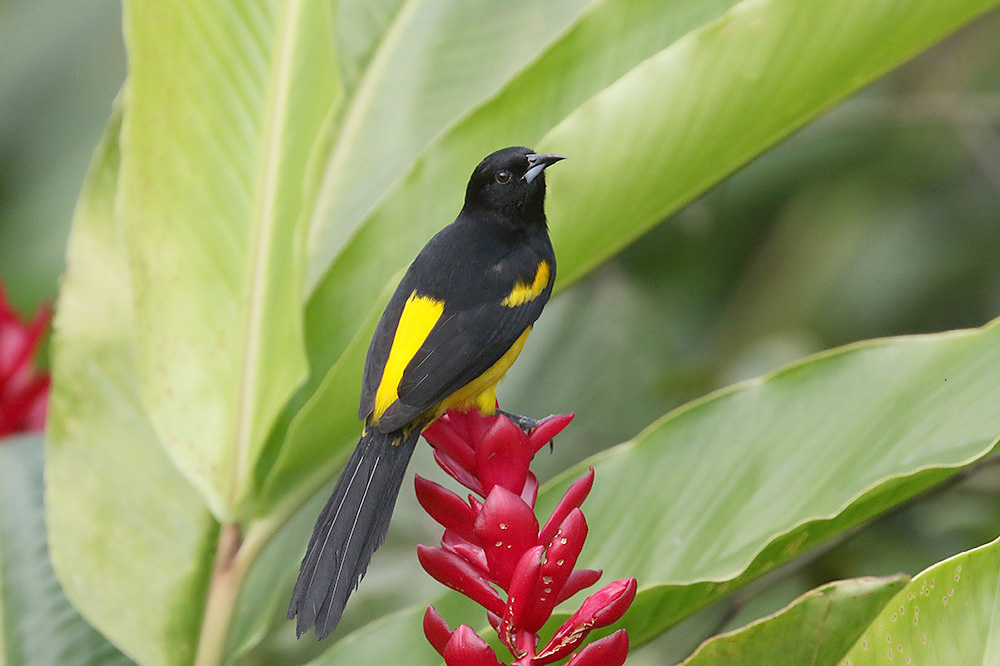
{"type": "Point", "coordinates": [455, 324]}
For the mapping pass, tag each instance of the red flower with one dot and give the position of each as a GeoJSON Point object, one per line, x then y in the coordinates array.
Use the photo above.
{"type": "Point", "coordinates": [24, 393]}
{"type": "Point", "coordinates": [599, 610]}
{"type": "Point", "coordinates": [496, 543]}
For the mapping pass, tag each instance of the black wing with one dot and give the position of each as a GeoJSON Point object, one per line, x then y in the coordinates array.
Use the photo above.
{"type": "Point", "coordinates": [462, 346]}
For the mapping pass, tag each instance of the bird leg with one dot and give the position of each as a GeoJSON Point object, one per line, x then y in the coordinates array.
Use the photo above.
{"type": "Point", "coordinates": [525, 423]}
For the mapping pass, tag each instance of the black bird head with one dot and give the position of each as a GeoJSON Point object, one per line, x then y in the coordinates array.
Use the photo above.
{"type": "Point", "coordinates": [510, 183]}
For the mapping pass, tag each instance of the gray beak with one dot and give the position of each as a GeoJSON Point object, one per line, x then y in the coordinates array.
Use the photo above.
{"type": "Point", "coordinates": [537, 163]}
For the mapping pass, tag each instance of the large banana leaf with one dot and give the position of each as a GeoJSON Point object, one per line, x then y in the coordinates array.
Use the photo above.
{"type": "Point", "coordinates": [748, 478]}
{"type": "Point", "coordinates": [126, 530]}
{"type": "Point", "coordinates": [730, 487]}
{"type": "Point", "coordinates": [223, 105]}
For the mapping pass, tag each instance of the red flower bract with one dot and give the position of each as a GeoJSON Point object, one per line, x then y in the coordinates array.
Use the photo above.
{"type": "Point", "coordinates": [600, 609]}
{"type": "Point", "coordinates": [496, 543]}
{"type": "Point", "coordinates": [24, 392]}
{"type": "Point", "coordinates": [609, 651]}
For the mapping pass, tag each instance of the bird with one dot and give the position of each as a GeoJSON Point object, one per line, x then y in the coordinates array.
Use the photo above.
{"type": "Point", "coordinates": [455, 324]}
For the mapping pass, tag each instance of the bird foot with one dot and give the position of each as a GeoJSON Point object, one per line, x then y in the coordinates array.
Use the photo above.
{"type": "Point", "coordinates": [525, 423]}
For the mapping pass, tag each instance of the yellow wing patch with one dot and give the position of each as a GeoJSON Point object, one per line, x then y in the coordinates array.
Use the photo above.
{"type": "Point", "coordinates": [524, 291]}
{"type": "Point", "coordinates": [420, 313]}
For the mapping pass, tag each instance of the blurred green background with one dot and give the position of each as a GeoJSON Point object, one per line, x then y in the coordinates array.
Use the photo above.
{"type": "Point", "coordinates": [61, 64]}
{"type": "Point", "coordinates": [880, 218]}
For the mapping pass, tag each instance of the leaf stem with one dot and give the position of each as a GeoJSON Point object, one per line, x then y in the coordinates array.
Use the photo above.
{"type": "Point", "coordinates": [227, 577]}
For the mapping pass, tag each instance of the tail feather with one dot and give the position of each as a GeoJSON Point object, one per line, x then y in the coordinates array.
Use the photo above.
{"type": "Point", "coordinates": [351, 526]}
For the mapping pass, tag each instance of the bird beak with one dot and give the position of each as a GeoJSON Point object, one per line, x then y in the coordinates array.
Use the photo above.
{"type": "Point", "coordinates": [537, 163]}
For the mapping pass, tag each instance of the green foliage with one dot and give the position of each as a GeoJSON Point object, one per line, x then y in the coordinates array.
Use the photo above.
{"type": "Point", "coordinates": [38, 627]}
{"type": "Point", "coordinates": [271, 167]}
{"type": "Point", "coordinates": [740, 482]}
{"type": "Point", "coordinates": [217, 273]}
{"type": "Point", "coordinates": [125, 526]}
{"type": "Point", "coordinates": [814, 630]}
{"type": "Point", "coordinates": [945, 615]}
{"type": "Point", "coordinates": [737, 484]}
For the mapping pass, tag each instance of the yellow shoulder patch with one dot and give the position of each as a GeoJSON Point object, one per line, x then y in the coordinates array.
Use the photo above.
{"type": "Point", "coordinates": [524, 292]}
{"type": "Point", "coordinates": [415, 323]}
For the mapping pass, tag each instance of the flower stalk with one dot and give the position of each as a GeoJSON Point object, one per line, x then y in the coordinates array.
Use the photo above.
{"type": "Point", "coordinates": [495, 551]}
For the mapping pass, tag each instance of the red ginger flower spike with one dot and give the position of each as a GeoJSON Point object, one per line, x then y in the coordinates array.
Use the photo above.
{"type": "Point", "coordinates": [496, 542]}
{"type": "Point", "coordinates": [24, 392]}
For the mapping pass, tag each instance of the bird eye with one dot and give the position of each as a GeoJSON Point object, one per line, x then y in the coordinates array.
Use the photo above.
{"type": "Point", "coordinates": [503, 176]}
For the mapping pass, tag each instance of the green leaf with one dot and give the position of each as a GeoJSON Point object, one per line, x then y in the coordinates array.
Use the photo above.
{"type": "Point", "coordinates": [361, 25]}
{"type": "Point", "coordinates": [38, 627]}
{"type": "Point", "coordinates": [694, 112]}
{"type": "Point", "coordinates": [744, 480]}
{"type": "Point", "coordinates": [130, 538]}
{"type": "Point", "coordinates": [814, 630]}
{"type": "Point", "coordinates": [729, 487]}
{"type": "Point", "coordinates": [652, 101]}
{"type": "Point", "coordinates": [947, 614]}
{"type": "Point", "coordinates": [223, 106]}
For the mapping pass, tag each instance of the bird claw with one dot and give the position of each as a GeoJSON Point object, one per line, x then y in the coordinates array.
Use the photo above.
{"type": "Point", "coordinates": [525, 423]}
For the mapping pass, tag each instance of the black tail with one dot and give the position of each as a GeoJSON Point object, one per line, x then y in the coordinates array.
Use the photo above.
{"type": "Point", "coordinates": [349, 529]}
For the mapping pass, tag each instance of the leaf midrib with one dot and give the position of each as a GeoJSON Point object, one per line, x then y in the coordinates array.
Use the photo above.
{"type": "Point", "coordinates": [264, 219]}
